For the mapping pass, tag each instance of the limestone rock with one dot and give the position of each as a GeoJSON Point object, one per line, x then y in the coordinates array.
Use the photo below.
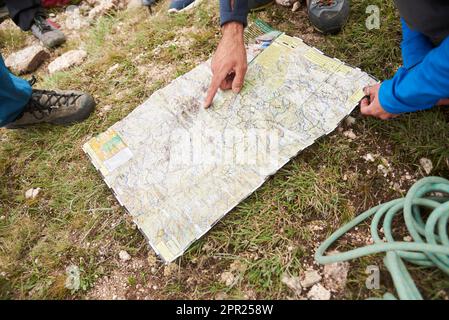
{"type": "Point", "coordinates": [318, 292]}
{"type": "Point", "coordinates": [310, 278]}
{"type": "Point", "coordinates": [67, 60]}
{"type": "Point", "coordinates": [27, 60]}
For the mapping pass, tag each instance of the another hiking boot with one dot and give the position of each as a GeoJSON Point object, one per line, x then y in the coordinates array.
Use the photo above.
{"type": "Point", "coordinates": [56, 107]}
{"type": "Point", "coordinates": [256, 5]}
{"type": "Point", "coordinates": [328, 16]}
{"type": "Point", "coordinates": [180, 5]}
{"type": "Point", "coordinates": [50, 36]}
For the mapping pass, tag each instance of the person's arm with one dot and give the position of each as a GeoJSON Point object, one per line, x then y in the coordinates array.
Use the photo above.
{"type": "Point", "coordinates": [229, 63]}
{"type": "Point", "coordinates": [420, 88]}
{"type": "Point", "coordinates": [414, 46]}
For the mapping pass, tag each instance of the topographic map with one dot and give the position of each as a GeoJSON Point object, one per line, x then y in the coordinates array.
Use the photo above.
{"type": "Point", "coordinates": [178, 168]}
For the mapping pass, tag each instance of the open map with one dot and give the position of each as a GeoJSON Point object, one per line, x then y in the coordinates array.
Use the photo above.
{"type": "Point", "coordinates": [178, 168]}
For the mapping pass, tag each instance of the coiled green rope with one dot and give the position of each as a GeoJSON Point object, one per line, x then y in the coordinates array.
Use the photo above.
{"type": "Point", "coordinates": [430, 246]}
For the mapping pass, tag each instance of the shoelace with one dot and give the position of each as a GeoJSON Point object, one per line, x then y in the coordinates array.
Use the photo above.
{"type": "Point", "coordinates": [44, 101]}
{"type": "Point", "coordinates": [41, 23]}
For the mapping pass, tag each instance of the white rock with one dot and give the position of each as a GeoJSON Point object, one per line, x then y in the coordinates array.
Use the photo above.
{"type": "Point", "coordinates": [350, 134]}
{"type": "Point", "coordinates": [368, 157]}
{"type": "Point", "coordinates": [228, 278]}
{"type": "Point", "coordinates": [32, 193]}
{"type": "Point", "coordinates": [426, 164]}
{"type": "Point", "coordinates": [408, 239]}
{"type": "Point", "coordinates": [293, 283]}
{"type": "Point", "coordinates": [350, 121]}
{"type": "Point", "coordinates": [124, 256]}
{"type": "Point", "coordinates": [27, 60]}
{"type": "Point", "coordinates": [296, 6]}
{"type": "Point", "coordinates": [318, 292]}
{"type": "Point", "coordinates": [103, 7]}
{"type": "Point", "coordinates": [67, 60]}
{"type": "Point", "coordinates": [382, 169]}
{"type": "Point", "coordinates": [310, 278]}
{"type": "Point", "coordinates": [335, 275]}
{"type": "Point", "coordinates": [134, 4]}
{"type": "Point", "coordinates": [74, 20]}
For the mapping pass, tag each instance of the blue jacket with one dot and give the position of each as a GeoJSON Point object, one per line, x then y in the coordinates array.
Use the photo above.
{"type": "Point", "coordinates": [418, 85]}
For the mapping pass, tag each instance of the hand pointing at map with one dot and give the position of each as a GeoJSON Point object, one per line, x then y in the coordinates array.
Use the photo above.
{"type": "Point", "coordinates": [229, 63]}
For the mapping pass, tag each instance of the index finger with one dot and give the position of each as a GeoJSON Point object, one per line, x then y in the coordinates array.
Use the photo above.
{"type": "Point", "coordinates": [213, 88]}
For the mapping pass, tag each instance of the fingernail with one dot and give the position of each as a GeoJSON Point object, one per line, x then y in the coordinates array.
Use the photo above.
{"type": "Point", "coordinates": [237, 90]}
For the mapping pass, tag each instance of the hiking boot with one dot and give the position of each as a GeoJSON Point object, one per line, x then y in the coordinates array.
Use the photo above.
{"type": "Point", "coordinates": [50, 36]}
{"type": "Point", "coordinates": [56, 107]}
{"type": "Point", "coordinates": [181, 5]}
{"type": "Point", "coordinates": [256, 5]}
{"type": "Point", "coordinates": [328, 16]}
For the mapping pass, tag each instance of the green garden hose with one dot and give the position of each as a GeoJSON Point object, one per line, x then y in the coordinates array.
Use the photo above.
{"type": "Point", "coordinates": [430, 245]}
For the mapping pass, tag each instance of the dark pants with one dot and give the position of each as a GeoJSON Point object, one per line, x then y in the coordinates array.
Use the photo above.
{"type": "Point", "coordinates": [22, 12]}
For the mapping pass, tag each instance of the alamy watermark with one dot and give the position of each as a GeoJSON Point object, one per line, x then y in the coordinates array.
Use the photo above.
{"type": "Point", "coordinates": [373, 20]}
{"type": "Point", "coordinates": [373, 280]}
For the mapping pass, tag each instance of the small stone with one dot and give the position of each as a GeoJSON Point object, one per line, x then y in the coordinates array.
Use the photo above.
{"type": "Point", "coordinates": [132, 4]}
{"type": "Point", "coordinates": [350, 121]}
{"type": "Point", "coordinates": [103, 7]}
{"type": "Point", "coordinates": [368, 157]}
{"type": "Point", "coordinates": [221, 296]}
{"type": "Point", "coordinates": [27, 60]}
{"type": "Point", "coordinates": [408, 239]}
{"type": "Point", "coordinates": [318, 292]}
{"type": "Point", "coordinates": [227, 278]}
{"type": "Point", "coordinates": [350, 134]}
{"type": "Point", "coordinates": [382, 169]}
{"type": "Point", "coordinates": [310, 278]}
{"type": "Point", "coordinates": [335, 275]}
{"type": "Point", "coordinates": [426, 164]}
{"type": "Point", "coordinates": [124, 256]}
{"type": "Point", "coordinates": [170, 269]}
{"type": "Point", "coordinates": [152, 260]}
{"type": "Point", "coordinates": [67, 60]}
{"type": "Point", "coordinates": [296, 6]}
{"type": "Point", "coordinates": [293, 283]}
{"type": "Point", "coordinates": [32, 193]}
{"type": "Point", "coordinates": [105, 109]}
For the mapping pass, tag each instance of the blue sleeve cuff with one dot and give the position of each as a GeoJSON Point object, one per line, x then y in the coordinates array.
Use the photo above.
{"type": "Point", "coordinates": [239, 13]}
{"type": "Point", "coordinates": [390, 99]}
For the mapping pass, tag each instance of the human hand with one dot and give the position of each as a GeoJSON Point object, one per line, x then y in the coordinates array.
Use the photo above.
{"type": "Point", "coordinates": [372, 106]}
{"type": "Point", "coordinates": [229, 63]}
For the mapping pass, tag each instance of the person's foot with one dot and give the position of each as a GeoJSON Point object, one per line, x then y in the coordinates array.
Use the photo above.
{"type": "Point", "coordinates": [328, 16]}
{"type": "Point", "coordinates": [255, 5]}
{"type": "Point", "coordinates": [50, 36]}
{"type": "Point", "coordinates": [180, 5]}
{"type": "Point", "coordinates": [56, 107]}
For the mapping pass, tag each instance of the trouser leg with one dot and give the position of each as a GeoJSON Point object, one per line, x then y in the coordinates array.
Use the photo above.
{"type": "Point", "coordinates": [14, 95]}
{"type": "Point", "coordinates": [22, 12]}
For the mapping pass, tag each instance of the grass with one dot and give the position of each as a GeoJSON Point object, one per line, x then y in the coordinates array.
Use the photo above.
{"type": "Point", "coordinates": [76, 220]}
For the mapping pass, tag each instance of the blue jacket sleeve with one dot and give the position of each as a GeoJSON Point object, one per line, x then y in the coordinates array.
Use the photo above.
{"type": "Point", "coordinates": [421, 87]}
{"type": "Point", "coordinates": [415, 46]}
{"type": "Point", "coordinates": [239, 13]}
